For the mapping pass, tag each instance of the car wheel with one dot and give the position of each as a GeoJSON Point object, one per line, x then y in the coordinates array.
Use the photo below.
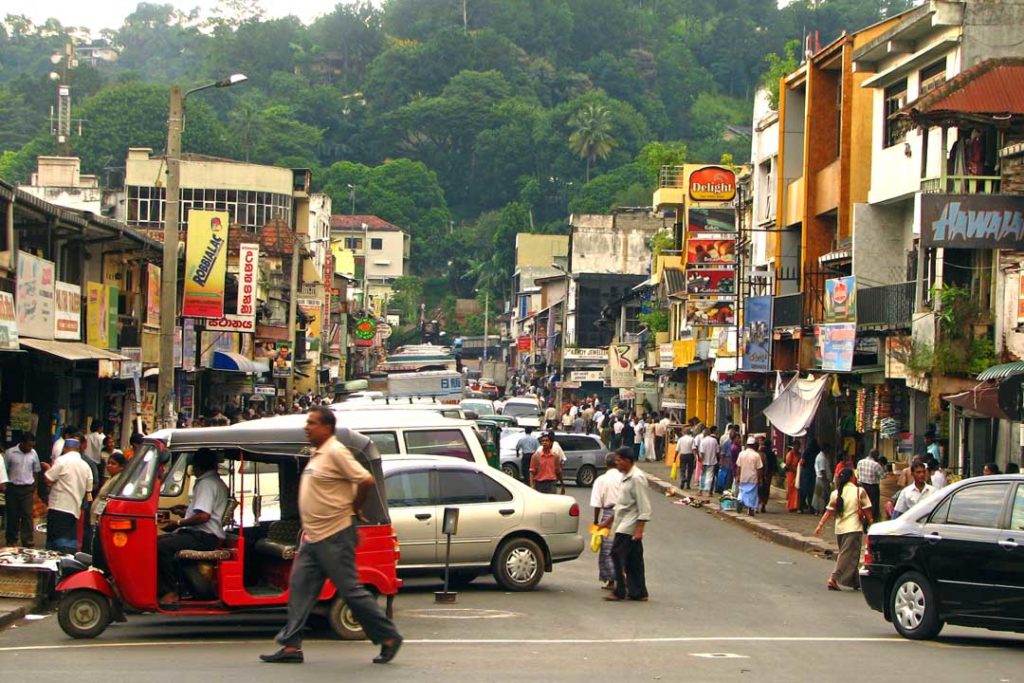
{"type": "Point", "coordinates": [585, 476]}
{"type": "Point", "coordinates": [84, 613]}
{"type": "Point", "coordinates": [511, 470]}
{"type": "Point", "coordinates": [913, 607]}
{"type": "Point", "coordinates": [343, 622]}
{"type": "Point", "coordinates": [519, 564]}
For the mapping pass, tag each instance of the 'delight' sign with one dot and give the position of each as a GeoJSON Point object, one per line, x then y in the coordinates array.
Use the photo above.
{"type": "Point", "coordinates": [715, 184]}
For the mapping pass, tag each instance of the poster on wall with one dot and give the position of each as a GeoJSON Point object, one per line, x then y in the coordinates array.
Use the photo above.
{"type": "Point", "coordinates": [836, 344]}
{"type": "Point", "coordinates": [8, 323]}
{"type": "Point", "coordinates": [132, 367]}
{"type": "Point", "coordinates": [113, 297]}
{"type": "Point", "coordinates": [710, 251]}
{"type": "Point", "coordinates": [704, 281]}
{"type": "Point", "coordinates": [34, 301]}
{"type": "Point", "coordinates": [841, 300]}
{"type": "Point", "coordinates": [622, 365]}
{"type": "Point", "coordinates": [757, 333]}
{"type": "Point", "coordinates": [96, 325]}
{"type": "Point", "coordinates": [67, 306]}
{"type": "Point", "coordinates": [282, 362]}
{"type": "Point", "coordinates": [711, 220]}
{"type": "Point", "coordinates": [152, 294]}
{"type": "Point", "coordinates": [710, 312]}
{"type": "Point", "coordinates": [206, 250]}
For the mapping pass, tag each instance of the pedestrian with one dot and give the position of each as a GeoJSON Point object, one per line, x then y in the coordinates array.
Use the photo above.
{"type": "Point", "coordinates": [546, 466]}
{"type": "Point", "coordinates": [579, 425]}
{"type": "Point", "coordinates": [603, 496]}
{"type": "Point", "coordinates": [21, 469]}
{"type": "Point", "coordinates": [115, 468]}
{"type": "Point", "coordinates": [651, 439]}
{"type": "Point", "coordinates": [869, 477]}
{"type": "Point", "coordinates": [822, 470]}
{"type": "Point", "coordinates": [332, 491]}
{"type": "Point", "coordinates": [990, 469]}
{"type": "Point", "coordinates": [851, 507]}
{"type": "Point", "coordinates": [749, 469]}
{"type": "Point", "coordinates": [932, 447]}
{"type": "Point", "coordinates": [806, 476]}
{"type": "Point", "coordinates": [134, 444]}
{"type": "Point", "coordinates": [617, 427]}
{"type": "Point", "coordinates": [916, 492]}
{"type": "Point", "coordinates": [71, 482]}
{"type": "Point", "coordinates": [771, 464]}
{"type": "Point", "coordinates": [660, 432]}
{"type": "Point", "coordinates": [567, 420]}
{"type": "Point", "coordinates": [937, 477]}
{"type": "Point", "coordinates": [792, 468]}
{"type": "Point", "coordinates": [628, 435]}
{"type": "Point", "coordinates": [709, 458]}
{"type": "Point", "coordinates": [632, 512]}
{"type": "Point", "coordinates": [94, 443]}
{"type": "Point", "coordinates": [550, 415]}
{"type": "Point", "coordinates": [684, 448]}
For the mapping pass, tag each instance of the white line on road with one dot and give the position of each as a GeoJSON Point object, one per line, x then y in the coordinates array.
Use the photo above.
{"type": "Point", "coordinates": [490, 641]}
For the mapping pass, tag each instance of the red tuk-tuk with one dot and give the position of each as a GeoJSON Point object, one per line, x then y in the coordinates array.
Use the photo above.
{"type": "Point", "coordinates": [261, 462]}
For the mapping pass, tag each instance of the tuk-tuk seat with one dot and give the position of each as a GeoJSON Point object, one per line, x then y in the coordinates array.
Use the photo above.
{"type": "Point", "coordinates": [282, 539]}
{"type": "Point", "coordinates": [203, 555]}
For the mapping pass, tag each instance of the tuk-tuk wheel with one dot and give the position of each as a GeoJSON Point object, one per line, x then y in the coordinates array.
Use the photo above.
{"type": "Point", "coordinates": [84, 613]}
{"type": "Point", "coordinates": [342, 621]}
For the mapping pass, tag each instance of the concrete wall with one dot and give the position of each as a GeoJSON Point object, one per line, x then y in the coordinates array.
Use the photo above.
{"type": "Point", "coordinates": [617, 243]}
{"type": "Point", "coordinates": [540, 250]}
{"type": "Point", "coordinates": [764, 152]}
{"type": "Point", "coordinates": [991, 29]}
{"type": "Point", "coordinates": [1008, 280]}
{"type": "Point", "coordinates": [881, 240]}
{"type": "Point", "coordinates": [145, 170]}
{"type": "Point", "coordinates": [387, 262]}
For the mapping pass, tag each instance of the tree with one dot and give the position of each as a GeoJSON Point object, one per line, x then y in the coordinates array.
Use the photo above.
{"type": "Point", "coordinates": [778, 68]}
{"type": "Point", "coordinates": [592, 136]}
{"type": "Point", "coordinates": [407, 297]}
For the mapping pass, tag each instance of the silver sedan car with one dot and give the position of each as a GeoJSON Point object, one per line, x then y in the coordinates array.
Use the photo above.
{"type": "Point", "coordinates": [505, 528]}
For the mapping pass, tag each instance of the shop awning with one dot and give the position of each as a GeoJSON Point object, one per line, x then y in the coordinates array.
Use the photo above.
{"type": "Point", "coordinates": [236, 362]}
{"type": "Point", "coordinates": [1002, 371]}
{"type": "Point", "coordinates": [981, 401]}
{"type": "Point", "coordinates": [70, 350]}
{"type": "Point", "coordinates": [794, 409]}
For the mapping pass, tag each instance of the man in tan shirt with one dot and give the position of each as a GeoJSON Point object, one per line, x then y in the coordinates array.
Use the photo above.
{"type": "Point", "coordinates": [332, 490]}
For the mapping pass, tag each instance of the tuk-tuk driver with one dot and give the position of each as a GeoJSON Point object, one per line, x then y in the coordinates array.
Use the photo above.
{"type": "Point", "coordinates": [199, 526]}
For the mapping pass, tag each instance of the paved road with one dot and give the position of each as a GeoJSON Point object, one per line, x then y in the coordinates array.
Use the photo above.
{"type": "Point", "coordinates": [723, 604]}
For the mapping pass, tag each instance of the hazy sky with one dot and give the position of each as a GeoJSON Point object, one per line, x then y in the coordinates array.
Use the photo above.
{"type": "Point", "coordinates": [110, 13]}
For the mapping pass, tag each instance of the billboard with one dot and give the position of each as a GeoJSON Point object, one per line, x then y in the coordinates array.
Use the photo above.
{"type": "Point", "coordinates": [757, 334]}
{"type": "Point", "coordinates": [34, 300]}
{"type": "Point", "coordinates": [248, 268]}
{"type": "Point", "coordinates": [972, 221]}
{"type": "Point", "coordinates": [841, 300]}
{"type": "Point", "coordinates": [8, 323]}
{"type": "Point", "coordinates": [711, 220]}
{"type": "Point", "coordinates": [205, 263]}
{"type": "Point", "coordinates": [711, 184]}
{"type": "Point", "coordinates": [710, 250]}
{"type": "Point", "coordinates": [152, 295]}
{"type": "Point", "coordinates": [97, 301]}
{"type": "Point", "coordinates": [710, 281]}
{"type": "Point", "coordinates": [621, 363]}
{"type": "Point", "coordinates": [710, 312]}
{"type": "Point", "coordinates": [836, 343]}
{"type": "Point", "coordinates": [67, 299]}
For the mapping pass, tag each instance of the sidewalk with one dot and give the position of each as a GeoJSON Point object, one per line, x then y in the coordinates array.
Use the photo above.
{"type": "Point", "coordinates": [790, 529]}
{"type": "Point", "coordinates": [13, 609]}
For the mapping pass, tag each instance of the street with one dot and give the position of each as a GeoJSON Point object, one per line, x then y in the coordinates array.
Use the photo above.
{"type": "Point", "coordinates": [723, 603]}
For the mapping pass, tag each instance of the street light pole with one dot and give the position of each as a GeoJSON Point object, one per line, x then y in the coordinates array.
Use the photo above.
{"type": "Point", "coordinates": [487, 310]}
{"type": "Point", "coordinates": [293, 295]}
{"type": "Point", "coordinates": [561, 335]}
{"type": "Point", "coordinates": [169, 267]}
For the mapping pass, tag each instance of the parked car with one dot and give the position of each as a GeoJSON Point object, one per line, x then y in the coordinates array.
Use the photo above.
{"type": "Point", "coordinates": [483, 407]}
{"type": "Point", "coordinates": [526, 410]}
{"type": "Point", "coordinates": [584, 456]}
{"type": "Point", "coordinates": [505, 528]}
{"type": "Point", "coordinates": [957, 557]}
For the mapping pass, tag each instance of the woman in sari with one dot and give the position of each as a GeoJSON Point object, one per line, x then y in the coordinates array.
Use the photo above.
{"type": "Point", "coordinates": [807, 478]}
{"type": "Point", "coordinates": [792, 466]}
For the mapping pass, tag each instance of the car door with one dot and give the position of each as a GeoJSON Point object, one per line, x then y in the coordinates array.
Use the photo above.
{"type": "Point", "coordinates": [960, 549]}
{"type": "Point", "coordinates": [573, 456]}
{"type": "Point", "coordinates": [414, 515]}
{"type": "Point", "coordinates": [487, 510]}
{"type": "Point", "coordinates": [1008, 568]}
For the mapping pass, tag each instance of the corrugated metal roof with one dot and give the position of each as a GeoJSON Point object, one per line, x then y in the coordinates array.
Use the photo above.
{"type": "Point", "coordinates": [1002, 371]}
{"type": "Point", "coordinates": [990, 87]}
{"type": "Point", "coordinates": [674, 280]}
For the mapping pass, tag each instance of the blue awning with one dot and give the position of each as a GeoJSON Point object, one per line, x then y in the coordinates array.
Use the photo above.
{"type": "Point", "coordinates": [236, 362]}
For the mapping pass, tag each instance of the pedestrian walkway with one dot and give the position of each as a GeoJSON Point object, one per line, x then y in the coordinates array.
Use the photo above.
{"type": "Point", "coordinates": [791, 529]}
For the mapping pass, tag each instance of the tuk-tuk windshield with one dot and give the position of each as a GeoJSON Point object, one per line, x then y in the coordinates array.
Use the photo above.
{"type": "Point", "coordinates": [137, 483]}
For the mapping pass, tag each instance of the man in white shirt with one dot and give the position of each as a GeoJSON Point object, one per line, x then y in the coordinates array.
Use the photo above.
{"type": "Point", "coordinates": [94, 443]}
{"type": "Point", "coordinates": [603, 495]}
{"type": "Point", "coordinates": [708, 451]}
{"type": "Point", "coordinates": [20, 470]}
{"type": "Point", "coordinates": [916, 492]}
{"type": "Point", "coordinates": [749, 466]}
{"type": "Point", "coordinates": [71, 481]}
{"type": "Point", "coordinates": [687, 461]}
{"type": "Point", "coordinates": [660, 431]}
{"type": "Point", "coordinates": [937, 476]}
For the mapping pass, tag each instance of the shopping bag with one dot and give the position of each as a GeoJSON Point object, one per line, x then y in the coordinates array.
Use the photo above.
{"type": "Point", "coordinates": [674, 472]}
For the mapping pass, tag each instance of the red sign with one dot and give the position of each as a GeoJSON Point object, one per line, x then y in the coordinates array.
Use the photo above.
{"type": "Point", "coordinates": [712, 184]}
{"type": "Point", "coordinates": [248, 263]}
{"type": "Point", "coordinates": [524, 344]}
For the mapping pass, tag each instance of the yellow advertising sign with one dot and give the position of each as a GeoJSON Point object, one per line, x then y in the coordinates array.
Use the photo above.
{"type": "Point", "coordinates": [205, 264]}
{"type": "Point", "coordinates": [97, 304]}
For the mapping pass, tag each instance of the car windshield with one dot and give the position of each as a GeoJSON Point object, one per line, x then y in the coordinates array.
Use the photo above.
{"type": "Point", "coordinates": [479, 407]}
{"type": "Point", "coordinates": [138, 478]}
{"type": "Point", "coordinates": [520, 410]}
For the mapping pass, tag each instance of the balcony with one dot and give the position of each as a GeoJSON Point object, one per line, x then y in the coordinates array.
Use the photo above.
{"type": "Point", "coordinates": [962, 184]}
{"type": "Point", "coordinates": [826, 189]}
{"type": "Point", "coordinates": [671, 190]}
{"type": "Point", "coordinates": [886, 307]}
{"type": "Point", "coordinates": [793, 209]}
{"type": "Point", "coordinates": [788, 310]}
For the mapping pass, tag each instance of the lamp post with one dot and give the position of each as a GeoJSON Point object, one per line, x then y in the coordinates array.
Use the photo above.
{"type": "Point", "coordinates": [561, 334]}
{"type": "Point", "coordinates": [169, 272]}
{"type": "Point", "coordinates": [487, 310]}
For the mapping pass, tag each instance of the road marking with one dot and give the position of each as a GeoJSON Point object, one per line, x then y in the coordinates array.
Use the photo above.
{"type": "Point", "coordinates": [489, 641]}
{"type": "Point", "coordinates": [460, 613]}
{"type": "Point", "coordinates": [718, 655]}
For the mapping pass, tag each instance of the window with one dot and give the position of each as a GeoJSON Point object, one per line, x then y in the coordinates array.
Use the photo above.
{"type": "Point", "coordinates": [895, 99]}
{"type": "Point", "coordinates": [931, 77]}
{"type": "Point", "coordinates": [448, 442]}
{"type": "Point", "coordinates": [466, 487]}
{"type": "Point", "coordinates": [978, 506]}
{"type": "Point", "coordinates": [1017, 520]}
{"type": "Point", "coordinates": [355, 243]}
{"type": "Point", "coordinates": [174, 480]}
{"type": "Point", "coordinates": [575, 443]}
{"type": "Point", "coordinates": [496, 493]}
{"type": "Point", "coordinates": [386, 442]}
{"type": "Point", "coordinates": [408, 489]}
{"type": "Point", "coordinates": [376, 243]}
{"type": "Point", "coordinates": [250, 210]}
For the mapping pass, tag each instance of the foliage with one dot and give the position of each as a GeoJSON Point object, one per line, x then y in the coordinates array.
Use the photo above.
{"type": "Point", "coordinates": [956, 315]}
{"type": "Point", "coordinates": [408, 295]}
{"type": "Point", "coordinates": [655, 321]}
{"type": "Point", "coordinates": [779, 67]}
{"type": "Point", "coordinates": [662, 241]}
{"type": "Point", "coordinates": [591, 137]}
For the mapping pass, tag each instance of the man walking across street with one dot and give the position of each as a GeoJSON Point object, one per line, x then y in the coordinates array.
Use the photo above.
{"type": "Point", "coordinates": [332, 491]}
{"type": "Point", "coordinates": [23, 468]}
{"type": "Point", "coordinates": [913, 494]}
{"type": "Point", "coordinates": [632, 512]}
{"type": "Point", "coordinates": [869, 474]}
{"type": "Point", "coordinates": [546, 466]}
{"type": "Point", "coordinates": [71, 484]}
{"type": "Point", "coordinates": [709, 458]}
{"type": "Point", "coordinates": [603, 496]}
{"type": "Point", "coordinates": [686, 458]}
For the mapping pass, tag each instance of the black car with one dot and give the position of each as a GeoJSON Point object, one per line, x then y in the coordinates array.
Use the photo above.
{"type": "Point", "coordinates": [957, 557]}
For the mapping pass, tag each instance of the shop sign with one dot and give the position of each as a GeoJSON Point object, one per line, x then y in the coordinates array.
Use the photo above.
{"type": "Point", "coordinates": [673, 395]}
{"type": "Point", "coordinates": [96, 303]}
{"type": "Point", "coordinates": [36, 278]}
{"type": "Point", "coordinates": [152, 294]}
{"type": "Point", "coordinates": [22, 419]}
{"type": "Point", "coordinates": [384, 330]}
{"type": "Point", "coordinates": [205, 264]}
{"type": "Point", "coordinates": [265, 390]}
{"type": "Point", "coordinates": [524, 344]}
{"type": "Point", "coordinates": [248, 267]}
{"type": "Point", "coordinates": [569, 384]}
{"type": "Point", "coordinates": [711, 183]}
{"type": "Point", "coordinates": [627, 394]}
{"type": "Point", "coordinates": [364, 331]}
{"type": "Point", "coordinates": [282, 362]}
{"type": "Point", "coordinates": [897, 354]}
{"type": "Point", "coordinates": [710, 220]}
{"type": "Point", "coordinates": [683, 352]}
{"type": "Point", "coordinates": [647, 387]}
{"type": "Point", "coordinates": [586, 375]}
{"type": "Point", "coordinates": [836, 343]}
{"type": "Point", "coordinates": [757, 334]}
{"type": "Point", "coordinates": [665, 356]}
{"type": "Point", "coordinates": [972, 221]}
{"type": "Point", "coordinates": [704, 249]}
{"type": "Point", "coordinates": [705, 281]}
{"type": "Point", "coordinates": [710, 312]}
{"type": "Point", "coordinates": [8, 323]}
{"type": "Point", "coordinates": [841, 300]}
{"type": "Point", "coordinates": [621, 360]}
{"type": "Point", "coordinates": [67, 299]}
{"type": "Point", "coordinates": [597, 356]}
{"type": "Point", "coordinates": [133, 367]}
{"type": "Point", "coordinates": [312, 309]}
{"type": "Point", "coordinates": [231, 323]}
{"type": "Point", "coordinates": [113, 295]}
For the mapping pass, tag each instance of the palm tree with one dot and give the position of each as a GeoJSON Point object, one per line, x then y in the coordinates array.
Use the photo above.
{"type": "Point", "coordinates": [592, 137]}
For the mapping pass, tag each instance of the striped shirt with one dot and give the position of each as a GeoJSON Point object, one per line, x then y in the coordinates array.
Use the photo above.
{"type": "Point", "coordinates": [869, 471]}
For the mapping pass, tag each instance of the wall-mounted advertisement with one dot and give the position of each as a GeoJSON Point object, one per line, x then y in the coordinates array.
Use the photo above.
{"type": "Point", "coordinates": [152, 295]}
{"type": "Point", "coordinates": [710, 220]}
{"type": "Point", "coordinates": [621, 363]}
{"type": "Point", "coordinates": [757, 333]}
{"type": "Point", "coordinates": [34, 299]}
{"type": "Point", "coordinates": [205, 264]}
{"type": "Point", "coordinates": [710, 281]}
{"type": "Point", "coordinates": [282, 363]}
{"type": "Point", "coordinates": [248, 268]}
{"type": "Point", "coordinates": [67, 306]}
{"type": "Point", "coordinates": [972, 221]}
{"type": "Point", "coordinates": [710, 312]}
{"type": "Point", "coordinates": [836, 343]}
{"type": "Point", "coordinates": [708, 251]}
{"type": "Point", "coordinates": [97, 302]}
{"type": "Point", "coordinates": [714, 185]}
{"type": "Point", "coordinates": [841, 300]}
{"type": "Point", "coordinates": [8, 323]}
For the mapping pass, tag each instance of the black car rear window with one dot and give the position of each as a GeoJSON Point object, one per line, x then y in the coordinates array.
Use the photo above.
{"type": "Point", "coordinates": [978, 506]}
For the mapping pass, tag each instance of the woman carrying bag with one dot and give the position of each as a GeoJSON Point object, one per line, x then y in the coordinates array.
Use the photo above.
{"type": "Point", "coordinates": [851, 507]}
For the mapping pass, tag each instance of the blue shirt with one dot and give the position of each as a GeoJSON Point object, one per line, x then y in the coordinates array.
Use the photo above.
{"type": "Point", "coordinates": [22, 467]}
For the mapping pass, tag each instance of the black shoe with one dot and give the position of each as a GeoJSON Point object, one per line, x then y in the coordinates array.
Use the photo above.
{"type": "Point", "coordinates": [282, 656]}
{"type": "Point", "coordinates": [388, 652]}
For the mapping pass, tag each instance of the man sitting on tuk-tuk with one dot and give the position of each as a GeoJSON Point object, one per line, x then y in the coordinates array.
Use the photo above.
{"type": "Point", "coordinates": [199, 526]}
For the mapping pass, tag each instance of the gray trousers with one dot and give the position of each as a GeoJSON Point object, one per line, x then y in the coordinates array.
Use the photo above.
{"type": "Point", "coordinates": [332, 558]}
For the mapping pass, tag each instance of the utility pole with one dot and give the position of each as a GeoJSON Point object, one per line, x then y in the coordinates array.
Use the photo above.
{"type": "Point", "coordinates": [293, 295]}
{"type": "Point", "coordinates": [487, 310]}
{"type": "Point", "coordinates": [561, 336]}
{"type": "Point", "coordinates": [169, 267]}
